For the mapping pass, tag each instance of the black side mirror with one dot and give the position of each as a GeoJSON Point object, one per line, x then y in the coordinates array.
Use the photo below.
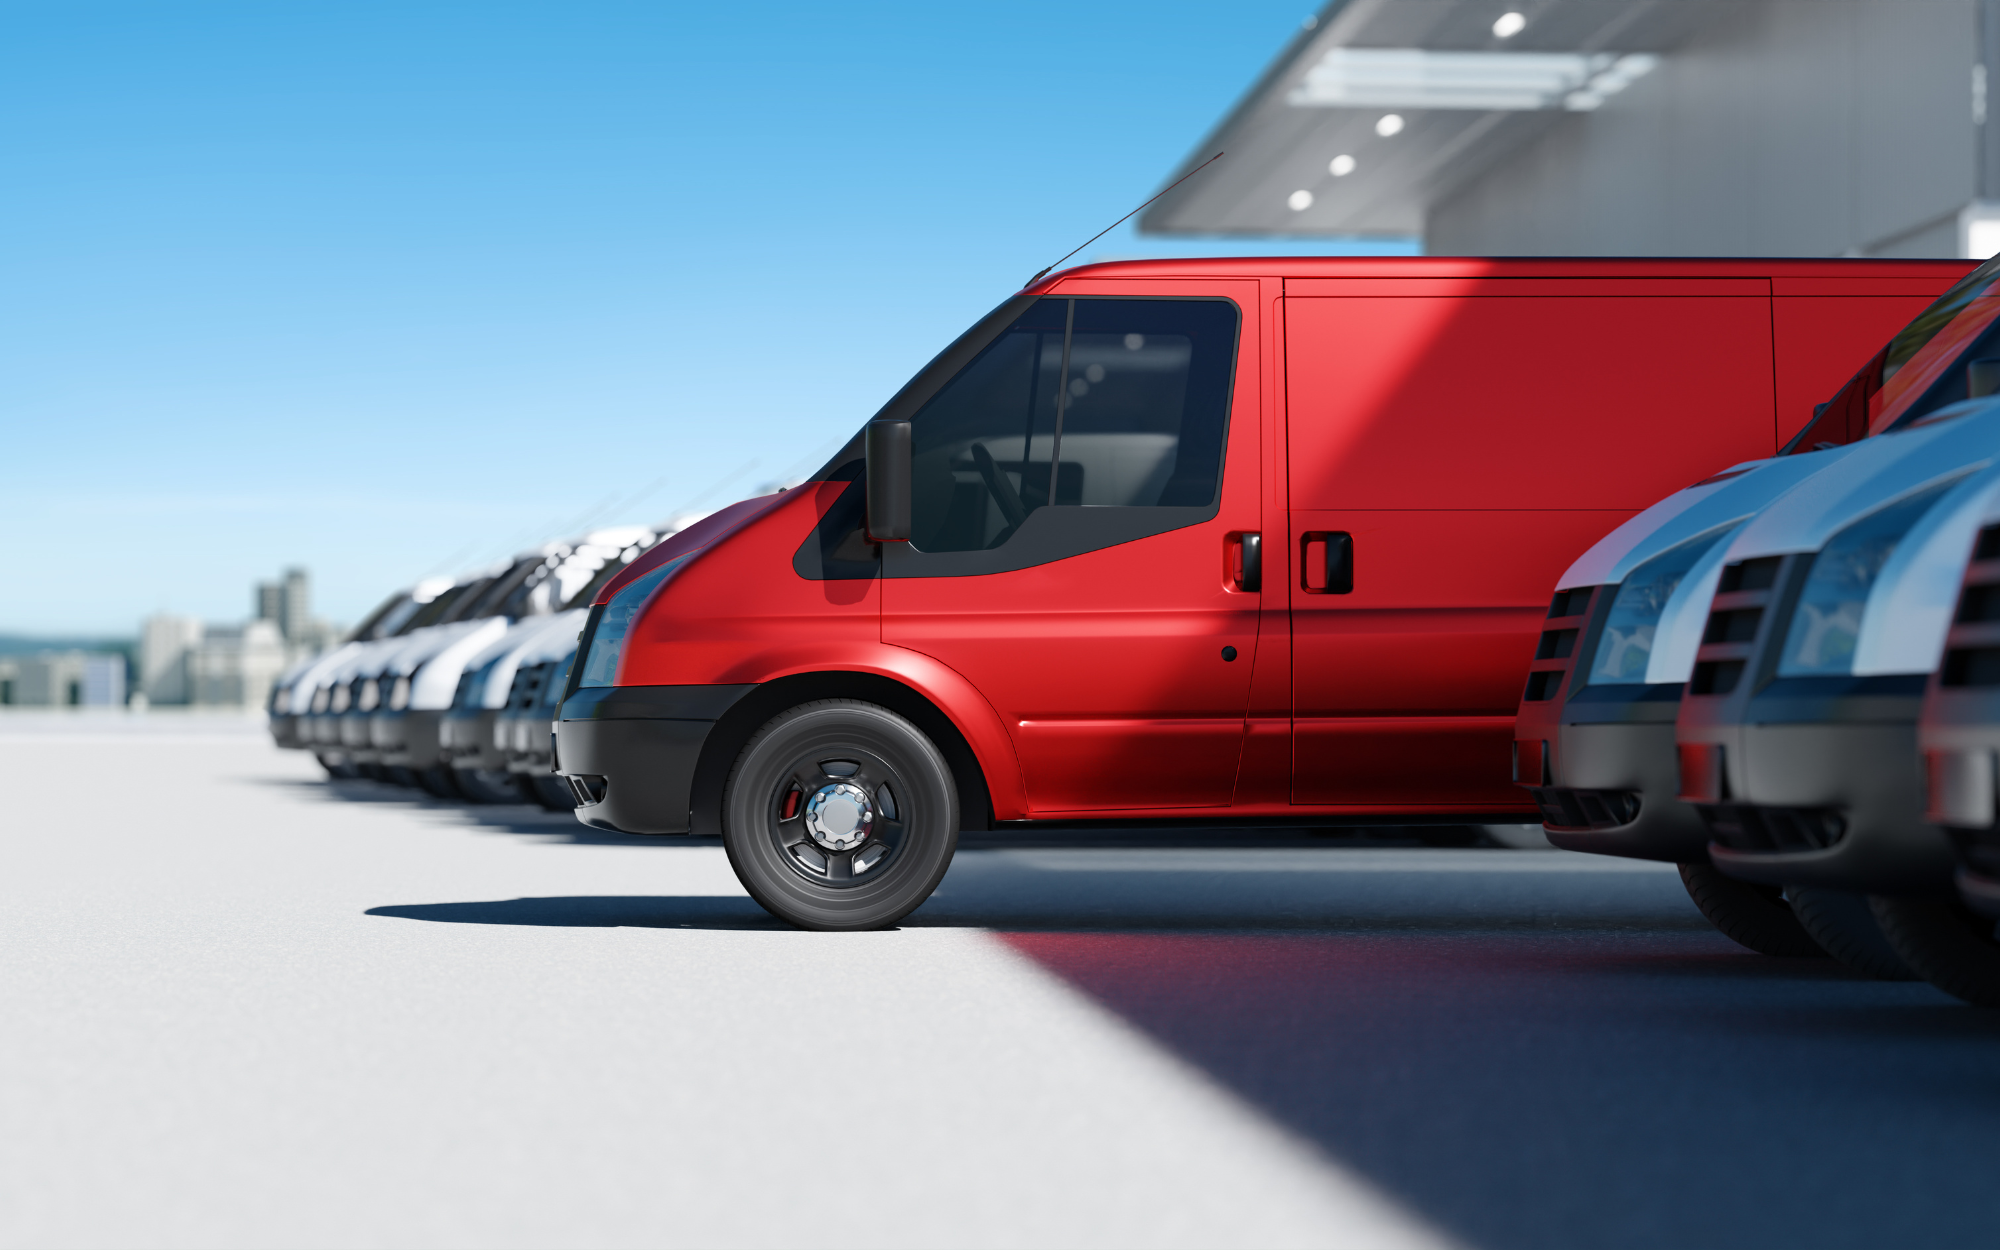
{"type": "Point", "coordinates": [1982, 378]}
{"type": "Point", "coordinates": [888, 451]}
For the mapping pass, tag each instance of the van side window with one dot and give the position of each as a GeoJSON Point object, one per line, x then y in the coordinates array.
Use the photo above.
{"type": "Point", "coordinates": [1097, 403]}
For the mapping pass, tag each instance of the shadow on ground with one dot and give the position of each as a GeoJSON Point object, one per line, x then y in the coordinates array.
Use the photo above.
{"type": "Point", "coordinates": [1531, 1049]}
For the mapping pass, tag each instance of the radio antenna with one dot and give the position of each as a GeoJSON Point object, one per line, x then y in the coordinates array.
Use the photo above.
{"type": "Point", "coordinates": [1122, 220]}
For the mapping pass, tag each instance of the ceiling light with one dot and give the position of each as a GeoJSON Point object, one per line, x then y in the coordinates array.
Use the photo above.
{"type": "Point", "coordinates": [1340, 166]}
{"type": "Point", "coordinates": [1508, 25]}
{"type": "Point", "coordinates": [1411, 78]}
{"type": "Point", "coordinates": [1391, 124]}
{"type": "Point", "coordinates": [1299, 201]}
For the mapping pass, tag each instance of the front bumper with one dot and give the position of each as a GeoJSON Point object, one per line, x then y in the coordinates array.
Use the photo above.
{"type": "Point", "coordinates": [630, 752]}
{"type": "Point", "coordinates": [1833, 805]}
{"type": "Point", "coordinates": [408, 739]}
{"type": "Point", "coordinates": [466, 740]}
{"type": "Point", "coordinates": [1606, 780]}
{"type": "Point", "coordinates": [1960, 739]}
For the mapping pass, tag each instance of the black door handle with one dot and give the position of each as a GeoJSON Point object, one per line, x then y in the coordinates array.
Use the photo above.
{"type": "Point", "coordinates": [1339, 561]}
{"type": "Point", "coordinates": [1252, 577]}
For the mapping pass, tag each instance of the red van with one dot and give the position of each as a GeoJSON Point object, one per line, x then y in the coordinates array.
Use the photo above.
{"type": "Point", "coordinates": [1209, 540]}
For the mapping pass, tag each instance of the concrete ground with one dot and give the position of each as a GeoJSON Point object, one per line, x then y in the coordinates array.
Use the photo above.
{"type": "Point", "coordinates": [244, 1006]}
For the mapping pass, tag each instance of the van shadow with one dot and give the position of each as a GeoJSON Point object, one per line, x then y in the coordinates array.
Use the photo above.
{"type": "Point", "coordinates": [1526, 1052]}
{"type": "Point", "coordinates": [521, 818]}
{"type": "Point", "coordinates": [597, 912]}
{"type": "Point", "coordinates": [1579, 1088]}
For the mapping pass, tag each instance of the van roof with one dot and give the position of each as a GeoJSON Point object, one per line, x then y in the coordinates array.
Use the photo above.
{"type": "Point", "coordinates": [1804, 276]}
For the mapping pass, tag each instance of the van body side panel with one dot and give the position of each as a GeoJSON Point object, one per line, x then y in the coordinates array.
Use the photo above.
{"type": "Point", "coordinates": [1407, 687]}
{"type": "Point", "coordinates": [1820, 340]}
{"type": "Point", "coordinates": [1107, 667]}
{"type": "Point", "coordinates": [1473, 445]}
{"type": "Point", "coordinates": [1515, 402]}
{"type": "Point", "coordinates": [1265, 776]}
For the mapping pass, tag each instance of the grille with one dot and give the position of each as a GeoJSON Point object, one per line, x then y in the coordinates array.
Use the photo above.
{"type": "Point", "coordinates": [1564, 808]}
{"type": "Point", "coordinates": [1753, 827]}
{"type": "Point", "coordinates": [1972, 648]}
{"type": "Point", "coordinates": [1555, 650]}
{"type": "Point", "coordinates": [1734, 621]}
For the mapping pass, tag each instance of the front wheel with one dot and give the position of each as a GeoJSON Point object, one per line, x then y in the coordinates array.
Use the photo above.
{"type": "Point", "coordinates": [840, 815]}
{"type": "Point", "coordinates": [1756, 916]}
{"type": "Point", "coordinates": [1843, 923]}
{"type": "Point", "coordinates": [1946, 943]}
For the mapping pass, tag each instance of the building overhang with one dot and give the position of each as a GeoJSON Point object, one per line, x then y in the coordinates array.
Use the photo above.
{"type": "Point", "coordinates": [1381, 107]}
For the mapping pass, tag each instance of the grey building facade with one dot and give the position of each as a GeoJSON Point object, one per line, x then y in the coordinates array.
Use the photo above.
{"type": "Point", "coordinates": [1619, 127]}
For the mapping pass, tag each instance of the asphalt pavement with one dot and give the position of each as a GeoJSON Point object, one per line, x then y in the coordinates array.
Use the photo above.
{"type": "Point", "coordinates": [245, 1006]}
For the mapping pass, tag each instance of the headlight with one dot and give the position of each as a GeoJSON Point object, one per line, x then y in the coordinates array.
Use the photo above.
{"type": "Point", "coordinates": [1827, 619]}
{"type": "Point", "coordinates": [1626, 643]}
{"type": "Point", "coordinates": [399, 694]}
{"type": "Point", "coordinates": [608, 639]}
{"type": "Point", "coordinates": [368, 696]}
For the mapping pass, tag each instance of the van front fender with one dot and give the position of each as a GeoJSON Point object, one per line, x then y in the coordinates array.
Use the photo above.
{"type": "Point", "coordinates": [955, 698]}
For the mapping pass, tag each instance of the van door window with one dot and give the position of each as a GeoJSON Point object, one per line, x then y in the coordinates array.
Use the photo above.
{"type": "Point", "coordinates": [1082, 403]}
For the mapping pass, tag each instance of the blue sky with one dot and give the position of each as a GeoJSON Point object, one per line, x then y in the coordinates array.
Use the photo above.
{"type": "Point", "coordinates": [390, 289]}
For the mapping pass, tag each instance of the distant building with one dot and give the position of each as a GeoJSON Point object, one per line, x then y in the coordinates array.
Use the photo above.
{"type": "Point", "coordinates": [235, 666]}
{"type": "Point", "coordinates": [183, 661]}
{"type": "Point", "coordinates": [63, 679]}
{"type": "Point", "coordinates": [164, 643]}
{"type": "Point", "coordinates": [1629, 128]}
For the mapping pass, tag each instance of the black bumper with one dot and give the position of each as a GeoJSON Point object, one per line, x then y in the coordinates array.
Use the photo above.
{"type": "Point", "coordinates": [1630, 771]}
{"type": "Point", "coordinates": [632, 751]}
{"type": "Point", "coordinates": [1833, 805]}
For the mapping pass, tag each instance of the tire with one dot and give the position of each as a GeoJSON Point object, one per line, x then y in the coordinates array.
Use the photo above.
{"type": "Point", "coordinates": [1755, 916]}
{"type": "Point", "coordinates": [550, 791]}
{"type": "Point", "coordinates": [840, 815]}
{"type": "Point", "coordinates": [488, 785]}
{"type": "Point", "coordinates": [338, 772]}
{"type": "Point", "coordinates": [1842, 922]}
{"type": "Point", "coordinates": [1945, 943]}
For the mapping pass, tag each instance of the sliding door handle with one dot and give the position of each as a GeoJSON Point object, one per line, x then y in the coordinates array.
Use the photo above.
{"type": "Point", "coordinates": [1332, 573]}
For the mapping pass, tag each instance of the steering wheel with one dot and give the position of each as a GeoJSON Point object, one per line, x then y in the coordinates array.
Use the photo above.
{"type": "Point", "coordinates": [1003, 490]}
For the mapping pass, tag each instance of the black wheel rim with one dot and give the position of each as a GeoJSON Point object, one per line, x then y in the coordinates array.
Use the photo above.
{"type": "Point", "coordinates": [838, 818]}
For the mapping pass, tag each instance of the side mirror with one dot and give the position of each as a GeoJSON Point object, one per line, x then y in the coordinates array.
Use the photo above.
{"type": "Point", "coordinates": [1982, 378]}
{"type": "Point", "coordinates": [888, 450]}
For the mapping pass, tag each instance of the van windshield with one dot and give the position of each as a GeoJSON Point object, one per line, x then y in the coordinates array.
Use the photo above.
{"type": "Point", "coordinates": [1929, 347]}
{"type": "Point", "coordinates": [1919, 371]}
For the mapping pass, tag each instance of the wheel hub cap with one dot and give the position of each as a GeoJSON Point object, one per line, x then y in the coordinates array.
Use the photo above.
{"type": "Point", "coordinates": [839, 817]}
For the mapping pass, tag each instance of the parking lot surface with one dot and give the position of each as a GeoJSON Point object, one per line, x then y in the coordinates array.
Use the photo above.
{"type": "Point", "coordinates": [249, 1007]}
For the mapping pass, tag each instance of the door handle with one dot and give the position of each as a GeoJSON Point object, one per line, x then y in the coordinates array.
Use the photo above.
{"type": "Point", "coordinates": [1335, 570]}
{"type": "Point", "coordinates": [1249, 562]}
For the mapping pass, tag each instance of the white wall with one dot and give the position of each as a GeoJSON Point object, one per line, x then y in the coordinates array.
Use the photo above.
{"type": "Point", "coordinates": [1795, 128]}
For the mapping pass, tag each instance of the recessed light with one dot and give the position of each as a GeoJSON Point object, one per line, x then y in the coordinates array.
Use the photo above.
{"type": "Point", "coordinates": [1340, 166]}
{"type": "Point", "coordinates": [1299, 201]}
{"type": "Point", "coordinates": [1390, 124]}
{"type": "Point", "coordinates": [1508, 25]}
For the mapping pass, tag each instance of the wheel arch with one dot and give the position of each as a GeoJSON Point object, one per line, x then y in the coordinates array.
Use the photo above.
{"type": "Point", "coordinates": [726, 740]}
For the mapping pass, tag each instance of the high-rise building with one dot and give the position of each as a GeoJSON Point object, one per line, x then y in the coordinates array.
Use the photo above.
{"type": "Point", "coordinates": [295, 605]}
